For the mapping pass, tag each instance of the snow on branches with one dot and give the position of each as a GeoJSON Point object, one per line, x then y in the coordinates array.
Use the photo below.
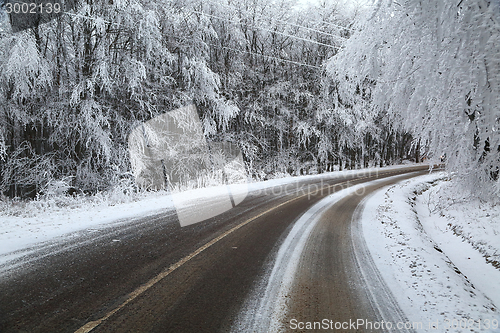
{"type": "Point", "coordinates": [435, 66]}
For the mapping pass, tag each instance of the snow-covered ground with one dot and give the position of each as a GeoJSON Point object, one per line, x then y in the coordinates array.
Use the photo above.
{"type": "Point", "coordinates": [438, 251]}
{"type": "Point", "coordinates": [23, 226]}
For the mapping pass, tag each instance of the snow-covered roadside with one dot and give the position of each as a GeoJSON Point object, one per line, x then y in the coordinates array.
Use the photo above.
{"type": "Point", "coordinates": [39, 222]}
{"type": "Point", "coordinates": [437, 257]}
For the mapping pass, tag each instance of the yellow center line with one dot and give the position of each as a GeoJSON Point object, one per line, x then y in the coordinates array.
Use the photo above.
{"type": "Point", "coordinates": [137, 292]}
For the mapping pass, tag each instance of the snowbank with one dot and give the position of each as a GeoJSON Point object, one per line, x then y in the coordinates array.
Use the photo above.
{"type": "Point", "coordinates": [439, 255]}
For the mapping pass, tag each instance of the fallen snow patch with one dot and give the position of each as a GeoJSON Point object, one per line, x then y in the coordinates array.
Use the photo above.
{"type": "Point", "coordinates": [438, 256]}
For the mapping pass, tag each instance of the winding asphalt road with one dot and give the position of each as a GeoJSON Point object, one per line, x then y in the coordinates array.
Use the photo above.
{"type": "Point", "coordinates": [151, 275]}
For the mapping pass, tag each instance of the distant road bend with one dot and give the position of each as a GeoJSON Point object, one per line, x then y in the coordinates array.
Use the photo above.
{"type": "Point", "coordinates": [151, 275]}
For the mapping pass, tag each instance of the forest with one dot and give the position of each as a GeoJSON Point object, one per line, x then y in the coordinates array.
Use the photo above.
{"type": "Point", "coordinates": [299, 87]}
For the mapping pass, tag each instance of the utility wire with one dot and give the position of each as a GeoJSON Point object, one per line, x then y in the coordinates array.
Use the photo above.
{"type": "Point", "coordinates": [277, 20]}
{"type": "Point", "coordinates": [223, 47]}
{"type": "Point", "coordinates": [266, 56]}
{"type": "Point", "coordinates": [334, 25]}
{"type": "Point", "coordinates": [230, 21]}
{"type": "Point", "coordinates": [268, 30]}
{"type": "Point", "coordinates": [90, 18]}
{"type": "Point", "coordinates": [286, 22]}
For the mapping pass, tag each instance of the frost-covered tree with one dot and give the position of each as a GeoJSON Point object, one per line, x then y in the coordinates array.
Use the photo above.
{"type": "Point", "coordinates": [72, 90]}
{"type": "Point", "coordinates": [432, 68]}
{"type": "Point", "coordinates": [269, 57]}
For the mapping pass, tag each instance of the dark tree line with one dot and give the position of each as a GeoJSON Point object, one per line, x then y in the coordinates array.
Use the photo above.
{"type": "Point", "coordinates": [72, 89]}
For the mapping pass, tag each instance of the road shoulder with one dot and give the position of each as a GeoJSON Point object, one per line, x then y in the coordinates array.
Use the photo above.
{"type": "Point", "coordinates": [422, 262]}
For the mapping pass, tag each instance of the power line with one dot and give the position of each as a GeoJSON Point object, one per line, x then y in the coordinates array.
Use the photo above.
{"type": "Point", "coordinates": [223, 47]}
{"type": "Point", "coordinates": [227, 20]}
{"type": "Point", "coordinates": [335, 25]}
{"type": "Point", "coordinates": [90, 18]}
{"type": "Point", "coordinates": [277, 20]}
{"type": "Point", "coordinates": [286, 22]}
{"type": "Point", "coordinates": [266, 56]}
{"type": "Point", "coordinates": [271, 31]}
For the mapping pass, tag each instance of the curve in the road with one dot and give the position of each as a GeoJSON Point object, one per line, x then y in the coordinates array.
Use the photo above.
{"type": "Point", "coordinates": [159, 277]}
{"type": "Point", "coordinates": [322, 274]}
